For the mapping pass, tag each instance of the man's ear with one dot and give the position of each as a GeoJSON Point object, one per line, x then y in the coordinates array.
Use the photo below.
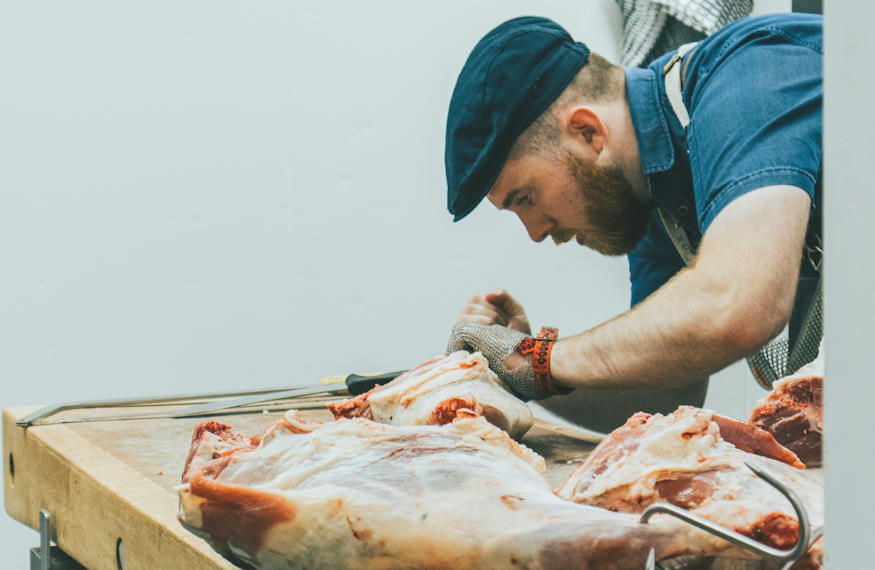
{"type": "Point", "coordinates": [586, 127]}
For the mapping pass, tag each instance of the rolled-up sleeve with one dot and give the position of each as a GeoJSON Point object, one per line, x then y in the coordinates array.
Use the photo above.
{"type": "Point", "coordinates": [754, 123]}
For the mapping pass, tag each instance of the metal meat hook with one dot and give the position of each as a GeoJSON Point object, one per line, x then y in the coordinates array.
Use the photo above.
{"type": "Point", "coordinates": [787, 556]}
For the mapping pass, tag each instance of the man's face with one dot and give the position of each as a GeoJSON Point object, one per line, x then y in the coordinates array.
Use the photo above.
{"type": "Point", "coordinates": [571, 197]}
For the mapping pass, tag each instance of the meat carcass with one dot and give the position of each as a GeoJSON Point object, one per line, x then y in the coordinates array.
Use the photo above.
{"type": "Point", "coordinates": [212, 440]}
{"type": "Point", "coordinates": [793, 412]}
{"type": "Point", "coordinates": [694, 459]}
{"type": "Point", "coordinates": [353, 493]}
{"type": "Point", "coordinates": [434, 392]}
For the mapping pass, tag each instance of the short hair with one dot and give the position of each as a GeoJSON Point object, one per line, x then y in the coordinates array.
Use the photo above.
{"type": "Point", "coordinates": [597, 81]}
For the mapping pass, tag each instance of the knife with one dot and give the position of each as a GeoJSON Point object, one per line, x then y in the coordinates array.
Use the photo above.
{"type": "Point", "coordinates": [353, 384]}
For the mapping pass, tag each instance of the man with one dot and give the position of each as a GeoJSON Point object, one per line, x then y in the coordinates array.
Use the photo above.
{"type": "Point", "coordinates": [579, 148]}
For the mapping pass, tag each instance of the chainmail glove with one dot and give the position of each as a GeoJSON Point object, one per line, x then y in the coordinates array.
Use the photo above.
{"type": "Point", "coordinates": [496, 343]}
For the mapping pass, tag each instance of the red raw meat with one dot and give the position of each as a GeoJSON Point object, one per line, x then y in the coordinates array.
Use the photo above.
{"type": "Point", "coordinates": [353, 493]}
{"type": "Point", "coordinates": [436, 391]}
{"type": "Point", "coordinates": [793, 412]}
{"type": "Point", "coordinates": [695, 459]}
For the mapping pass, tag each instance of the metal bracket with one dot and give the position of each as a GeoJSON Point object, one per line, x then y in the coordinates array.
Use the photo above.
{"type": "Point", "coordinates": [48, 556]}
{"type": "Point", "coordinates": [803, 541]}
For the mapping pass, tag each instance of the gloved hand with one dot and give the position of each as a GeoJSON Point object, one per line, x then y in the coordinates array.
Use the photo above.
{"type": "Point", "coordinates": [500, 346]}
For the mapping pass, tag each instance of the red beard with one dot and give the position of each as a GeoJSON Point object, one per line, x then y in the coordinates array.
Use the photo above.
{"type": "Point", "coordinates": [616, 219]}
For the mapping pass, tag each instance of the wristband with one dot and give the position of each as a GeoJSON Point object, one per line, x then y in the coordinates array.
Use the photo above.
{"type": "Point", "coordinates": [540, 348]}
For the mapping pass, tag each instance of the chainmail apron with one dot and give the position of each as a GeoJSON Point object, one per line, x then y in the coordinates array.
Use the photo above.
{"type": "Point", "coordinates": [654, 27]}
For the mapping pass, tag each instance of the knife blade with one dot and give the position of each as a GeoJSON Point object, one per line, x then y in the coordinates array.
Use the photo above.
{"type": "Point", "coordinates": [353, 384]}
{"type": "Point", "coordinates": [53, 409]}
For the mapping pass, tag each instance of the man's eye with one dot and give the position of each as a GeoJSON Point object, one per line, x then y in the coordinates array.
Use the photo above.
{"type": "Point", "coordinates": [525, 200]}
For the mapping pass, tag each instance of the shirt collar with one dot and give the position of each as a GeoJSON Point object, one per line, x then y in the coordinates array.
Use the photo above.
{"type": "Point", "coordinates": [648, 119]}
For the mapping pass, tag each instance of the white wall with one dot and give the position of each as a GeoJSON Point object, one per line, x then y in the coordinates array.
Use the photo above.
{"type": "Point", "coordinates": [220, 195]}
{"type": "Point", "coordinates": [849, 121]}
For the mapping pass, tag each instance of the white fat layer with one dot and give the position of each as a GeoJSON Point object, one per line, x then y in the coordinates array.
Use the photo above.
{"type": "Point", "coordinates": [682, 445]}
{"type": "Point", "coordinates": [463, 495]}
{"type": "Point", "coordinates": [690, 444]}
{"type": "Point", "coordinates": [411, 399]}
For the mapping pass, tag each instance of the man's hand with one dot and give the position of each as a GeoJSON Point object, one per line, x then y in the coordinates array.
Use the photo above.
{"type": "Point", "coordinates": [496, 308]}
{"type": "Point", "coordinates": [499, 344]}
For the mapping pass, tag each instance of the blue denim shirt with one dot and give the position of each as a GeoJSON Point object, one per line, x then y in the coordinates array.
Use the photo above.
{"type": "Point", "coordinates": [753, 91]}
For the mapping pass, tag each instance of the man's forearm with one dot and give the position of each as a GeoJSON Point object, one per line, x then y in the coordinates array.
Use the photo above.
{"type": "Point", "coordinates": [675, 336]}
{"type": "Point", "coordinates": [735, 297]}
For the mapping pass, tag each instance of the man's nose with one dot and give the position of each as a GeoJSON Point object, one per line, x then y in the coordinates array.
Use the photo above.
{"type": "Point", "coordinates": [538, 226]}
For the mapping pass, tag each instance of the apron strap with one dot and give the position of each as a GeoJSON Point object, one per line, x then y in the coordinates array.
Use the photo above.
{"type": "Point", "coordinates": [674, 83]}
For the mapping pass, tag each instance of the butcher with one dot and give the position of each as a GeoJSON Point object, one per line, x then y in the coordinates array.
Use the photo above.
{"type": "Point", "coordinates": [704, 169]}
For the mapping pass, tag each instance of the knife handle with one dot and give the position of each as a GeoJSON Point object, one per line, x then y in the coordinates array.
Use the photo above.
{"type": "Point", "coordinates": [361, 383]}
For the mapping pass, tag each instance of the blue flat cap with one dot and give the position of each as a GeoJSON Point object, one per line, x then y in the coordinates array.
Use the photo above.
{"type": "Point", "coordinates": [512, 76]}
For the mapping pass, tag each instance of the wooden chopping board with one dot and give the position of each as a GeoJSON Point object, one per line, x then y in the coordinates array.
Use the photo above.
{"type": "Point", "coordinates": [109, 486]}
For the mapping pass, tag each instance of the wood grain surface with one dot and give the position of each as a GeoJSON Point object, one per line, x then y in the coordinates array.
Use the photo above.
{"type": "Point", "coordinates": [109, 486]}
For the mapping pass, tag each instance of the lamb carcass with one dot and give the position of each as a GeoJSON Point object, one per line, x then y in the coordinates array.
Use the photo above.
{"type": "Point", "coordinates": [434, 392]}
{"type": "Point", "coordinates": [695, 459]}
{"type": "Point", "coordinates": [353, 493]}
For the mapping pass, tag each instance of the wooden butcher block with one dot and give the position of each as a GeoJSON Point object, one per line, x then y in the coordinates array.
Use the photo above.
{"type": "Point", "coordinates": [109, 486]}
